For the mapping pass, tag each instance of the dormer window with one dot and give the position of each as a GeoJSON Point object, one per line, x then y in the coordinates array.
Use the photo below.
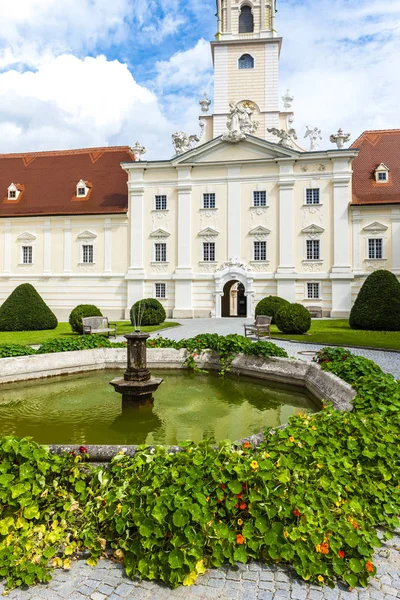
{"type": "Point", "coordinates": [14, 191]}
{"type": "Point", "coordinates": [82, 189]}
{"type": "Point", "coordinates": [382, 173]}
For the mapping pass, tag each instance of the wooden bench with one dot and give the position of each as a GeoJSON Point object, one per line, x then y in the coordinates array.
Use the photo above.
{"type": "Point", "coordinates": [261, 325]}
{"type": "Point", "coordinates": [92, 325]}
{"type": "Point", "coordinates": [315, 311]}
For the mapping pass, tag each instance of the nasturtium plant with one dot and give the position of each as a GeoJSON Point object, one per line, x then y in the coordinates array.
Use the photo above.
{"type": "Point", "coordinates": [312, 494]}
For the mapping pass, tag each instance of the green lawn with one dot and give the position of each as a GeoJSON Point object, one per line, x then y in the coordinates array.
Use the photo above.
{"type": "Point", "coordinates": [337, 331]}
{"type": "Point", "coordinates": [64, 330]}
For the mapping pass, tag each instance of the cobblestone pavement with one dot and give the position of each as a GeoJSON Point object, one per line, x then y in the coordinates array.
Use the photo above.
{"type": "Point", "coordinates": [247, 582]}
{"type": "Point", "coordinates": [388, 361]}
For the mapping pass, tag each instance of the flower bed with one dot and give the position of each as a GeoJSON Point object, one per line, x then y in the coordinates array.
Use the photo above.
{"type": "Point", "coordinates": [311, 495]}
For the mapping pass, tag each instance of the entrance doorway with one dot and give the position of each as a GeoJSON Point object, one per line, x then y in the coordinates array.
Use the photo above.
{"type": "Point", "coordinates": [234, 300]}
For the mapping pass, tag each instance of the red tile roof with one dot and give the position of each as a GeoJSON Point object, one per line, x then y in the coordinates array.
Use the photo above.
{"type": "Point", "coordinates": [49, 180]}
{"type": "Point", "coordinates": [376, 147]}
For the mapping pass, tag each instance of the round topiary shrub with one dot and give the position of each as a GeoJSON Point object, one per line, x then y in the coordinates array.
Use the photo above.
{"type": "Point", "coordinates": [270, 305]}
{"type": "Point", "coordinates": [293, 318]}
{"type": "Point", "coordinates": [377, 306]}
{"type": "Point", "coordinates": [81, 312]}
{"type": "Point", "coordinates": [147, 312]}
{"type": "Point", "coordinates": [25, 310]}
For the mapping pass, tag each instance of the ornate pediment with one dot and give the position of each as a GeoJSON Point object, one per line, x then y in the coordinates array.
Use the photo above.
{"type": "Point", "coordinates": [87, 235]}
{"type": "Point", "coordinates": [260, 230]}
{"type": "Point", "coordinates": [160, 233]}
{"type": "Point", "coordinates": [26, 237]}
{"type": "Point", "coordinates": [208, 232]}
{"type": "Point", "coordinates": [313, 229]}
{"type": "Point", "coordinates": [375, 227]}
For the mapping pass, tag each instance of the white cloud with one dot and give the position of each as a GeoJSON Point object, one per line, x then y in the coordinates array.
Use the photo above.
{"type": "Point", "coordinates": [70, 102]}
{"type": "Point", "coordinates": [189, 70]}
{"type": "Point", "coordinates": [340, 62]}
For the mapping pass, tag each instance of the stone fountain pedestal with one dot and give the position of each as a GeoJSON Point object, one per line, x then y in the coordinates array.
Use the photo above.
{"type": "Point", "coordinates": [137, 386]}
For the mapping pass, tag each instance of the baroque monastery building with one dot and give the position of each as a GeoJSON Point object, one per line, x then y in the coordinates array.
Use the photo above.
{"type": "Point", "coordinates": [240, 212]}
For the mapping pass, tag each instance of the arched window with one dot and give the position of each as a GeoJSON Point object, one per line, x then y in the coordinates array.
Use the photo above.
{"type": "Point", "coordinates": [246, 20]}
{"type": "Point", "coordinates": [246, 61]}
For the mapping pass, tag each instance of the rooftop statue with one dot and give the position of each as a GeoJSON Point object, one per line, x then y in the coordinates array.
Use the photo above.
{"type": "Point", "coordinates": [314, 135]}
{"type": "Point", "coordinates": [183, 142]}
{"type": "Point", "coordinates": [286, 137]}
{"type": "Point", "coordinates": [239, 123]}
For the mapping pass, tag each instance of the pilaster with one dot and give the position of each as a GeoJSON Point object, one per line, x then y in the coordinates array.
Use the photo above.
{"type": "Point", "coordinates": [183, 275]}
{"type": "Point", "coordinates": [234, 212]}
{"type": "Point", "coordinates": [286, 184]}
{"type": "Point", "coordinates": [136, 274]}
{"type": "Point", "coordinates": [395, 219]}
{"type": "Point", "coordinates": [107, 246]}
{"type": "Point", "coordinates": [356, 220]}
{"type": "Point", "coordinates": [47, 247]}
{"type": "Point", "coordinates": [7, 248]}
{"type": "Point", "coordinates": [67, 247]}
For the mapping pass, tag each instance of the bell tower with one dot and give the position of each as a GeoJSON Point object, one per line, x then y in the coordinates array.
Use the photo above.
{"type": "Point", "coordinates": [246, 63]}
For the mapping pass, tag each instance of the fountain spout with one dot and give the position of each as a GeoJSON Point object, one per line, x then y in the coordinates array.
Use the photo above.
{"type": "Point", "coordinates": [138, 385]}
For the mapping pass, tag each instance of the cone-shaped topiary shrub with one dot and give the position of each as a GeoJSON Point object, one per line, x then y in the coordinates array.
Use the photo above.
{"type": "Point", "coordinates": [270, 305]}
{"type": "Point", "coordinates": [147, 312]}
{"type": "Point", "coordinates": [293, 318]}
{"type": "Point", "coordinates": [25, 310]}
{"type": "Point", "coordinates": [377, 307]}
{"type": "Point", "coordinates": [81, 312]}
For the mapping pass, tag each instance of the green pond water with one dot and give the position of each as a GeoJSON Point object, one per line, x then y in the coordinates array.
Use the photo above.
{"type": "Point", "coordinates": [84, 409]}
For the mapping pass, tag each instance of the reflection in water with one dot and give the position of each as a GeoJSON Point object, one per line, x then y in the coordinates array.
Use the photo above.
{"type": "Point", "coordinates": [84, 409]}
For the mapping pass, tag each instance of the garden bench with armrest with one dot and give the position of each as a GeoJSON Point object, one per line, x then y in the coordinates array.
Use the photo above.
{"type": "Point", "coordinates": [92, 325]}
{"type": "Point", "coordinates": [315, 311]}
{"type": "Point", "coordinates": [261, 325]}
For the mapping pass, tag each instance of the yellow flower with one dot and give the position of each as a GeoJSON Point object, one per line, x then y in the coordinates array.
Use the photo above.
{"type": "Point", "coordinates": [291, 439]}
{"type": "Point", "coordinates": [240, 522]}
{"type": "Point", "coordinates": [254, 464]}
{"type": "Point", "coordinates": [319, 466]}
{"type": "Point", "coordinates": [119, 508]}
{"type": "Point", "coordinates": [318, 548]}
{"type": "Point", "coordinates": [285, 534]}
{"type": "Point", "coordinates": [320, 579]}
{"type": "Point", "coordinates": [314, 428]}
{"type": "Point", "coordinates": [267, 455]}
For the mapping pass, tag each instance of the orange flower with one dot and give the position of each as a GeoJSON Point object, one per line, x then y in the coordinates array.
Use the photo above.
{"type": "Point", "coordinates": [369, 566]}
{"type": "Point", "coordinates": [247, 445]}
{"type": "Point", "coordinates": [296, 512]}
{"type": "Point", "coordinates": [239, 495]}
{"type": "Point", "coordinates": [341, 554]}
{"type": "Point", "coordinates": [240, 539]}
{"type": "Point", "coordinates": [285, 534]}
{"type": "Point", "coordinates": [291, 439]}
{"type": "Point", "coordinates": [242, 505]}
{"type": "Point", "coordinates": [223, 486]}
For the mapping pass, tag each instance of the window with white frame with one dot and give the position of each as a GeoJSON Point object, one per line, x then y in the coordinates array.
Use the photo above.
{"type": "Point", "coordinates": [209, 251]}
{"type": "Point", "coordinates": [260, 250]}
{"type": "Point", "coordinates": [313, 249]}
{"type": "Point", "coordinates": [27, 255]}
{"type": "Point", "coordinates": [260, 198]}
{"type": "Point", "coordinates": [81, 191]}
{"type": "Point", "coordinates": [313, 291]}
{"type": "Point", "coordinates": [12, 194]}
{"type": "Point", "coordinates": [160, 252]}
{"type": "Point", "coordinates": [161, 202]}
{"type": "Point", "coordinates": [312, 196]}
{"type": "Point", "coordinates": [160, 290]}
{"type": "Point", "coordinates": [375, 248]}
{"type": "Point", "coordinates": [382, 176]}
{"type": "Point", "coordinates": [209, 200]}
{"type": "Point", "coordinates": [87, 253]}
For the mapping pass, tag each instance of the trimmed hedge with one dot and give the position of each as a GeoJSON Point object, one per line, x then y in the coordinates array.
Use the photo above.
{"type": "Point", "coordinates": [81, 312]}
{"type": "Point", "coordinates": [147, 312]}
{"type": "Point", "coordinates": [293, 318]}
{"type": "Point", "coordinates": [377, 307]}
{"type": "Point", "coordinates": [25, 310]}
{"type": "Point", "coordinates": [270, 305]}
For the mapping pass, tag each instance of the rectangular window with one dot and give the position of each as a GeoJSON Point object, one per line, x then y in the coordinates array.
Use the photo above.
{"type": "Point", "coordinates": [27, 255]}
{"type": "Point", "coordinates": [160, 290]}
{"type": "Point", "coordinates": [312, 196]}
{"type": "Point", "coordinates": [161, 202]}
{"type": "Point", "coordinates": [208, 200]}
{"type": "Point", "coordinates": [382, 176]}
{"type": "Point", "coordinates": [161, 252]}
{"type": "Point", "coordinates": [12, 194]}
{"type": "Point", "coordinates": [260, 250]}
{"type": "Point", "coordinates": [259, 198]}
{"type": "Point", "coordinates": [209, 251]}
{"type": "Point", "coordinates": [313, 252]}
{"type": "Point", "coordinates": [375, 248]}
{"type": "Point", "coordinates": [313, 290]}
{"type": "Point", "coordinates": [87, 253]}
{"type": "Point", "coordinates": [81, 191]}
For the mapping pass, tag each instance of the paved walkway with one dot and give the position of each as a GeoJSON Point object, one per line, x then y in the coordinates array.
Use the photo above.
{"type": "Point", "coordinates": [388, 361]}
{"type": "Point", "coordinates": [247, 582]}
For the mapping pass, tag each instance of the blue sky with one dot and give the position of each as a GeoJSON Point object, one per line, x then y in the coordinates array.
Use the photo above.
{"type": "Point", "coordinates": [94, 72]}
